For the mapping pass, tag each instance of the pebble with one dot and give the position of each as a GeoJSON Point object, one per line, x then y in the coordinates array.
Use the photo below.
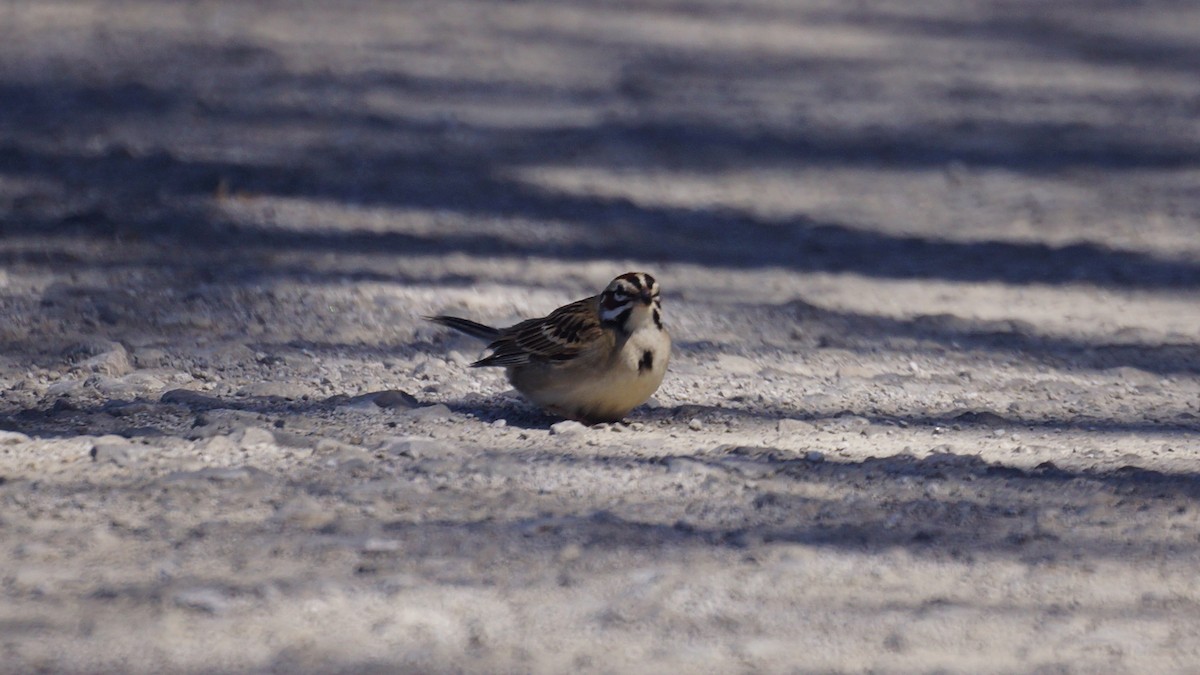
{"type": "Point", "coordinates": [417, 447]}
{"type": "Point", "coordinates": [220, 446]}
{"type": "Point", "coordinates": [64, 387]}
{"type": "Point", "coordinates": [306, 512]}
{"type": "Point", "coordinates": [570, 553]}
{"type": "Point", "coordinates": [791, 427]}
{"type": "Point", "coordinates": [695, 424]}
{"type": "Point", "coordinates": [233, 474]}
{"type": "Point", "coordinates": [203, 599]}
{"type": "Point", "coordinates": [118, 451]}
{"type": "Point", "coordinates": [13, 437]}
{"type": "Point", "coordinates": [394, 399]}
{"type": "Point", "coordinates": [191, 399]}
{"type": "Point", "coordinates": [252, 438]}
{"type": "Point", "coordinates": [285, 390]}
{"type": "Point", "coordinates": [686, 466]}
{"type": "Point", "coordinates": [815, 456]}
{"type": "Point", "coordinates": [437, 411]}
{"type": "Point", "coordinates": [379, 545]}
{"type": "Point", "coordinates": [567, 428]}
{"type": "Point", "coordinates": [843, 423]}
{"type": "Point", "coordinates": [113, 362]}
{"type": "Point", "coordinates": [362, 404]}
{"type": "Point", "coordinates": [150, 357]}
{"type": "Point", "coordinates": [749, 468]}
{"type": "Point", "coordinates": [738, 365]}
{"type": "Point", "coordinates": [133, 383]}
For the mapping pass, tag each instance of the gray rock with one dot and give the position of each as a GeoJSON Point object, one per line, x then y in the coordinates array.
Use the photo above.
{"type": "Point", "coordinates": [118, 451]}
{"type": "Point", "coordinates": [567, 428]}
{"type": "Point", "coordinates": [305, 512]}
{"type": "Point", "coordinates": [202, 599]}
{"type": "Point", "coordinates": [114, 362]}
{"type": "Point", "coordinates": [686, 466]}
{"type": "Point", "coordinates": [64, 387]}
{"type": "Point", "coordinates": [749, 468]}
{"type": "Point", "coordinates": [253, 438]}
{"type": "Point", "coordinates": [286, 390]}
{"type": "Point", "coordinates": [394, 399]}
{"type": "Point", "coordinates": [138, 382]}
{"type": "Point", "coordinates": [844, 423]}
{"type": "Point", "coordinates": [233, 474]}
{"type": "Point", "coordinates": [429, 413]}
{"type": "Point", "coordinates": [417, 447]}
{"type": "Point", "coordinates": [738, 365]}
{"type": "Point", "coordinates": [695, 424]}
{"type": "Point", "coordinates": [362, 404]}
{"type": "Point", "coordinates": [380, 545]}
{"type": "Point", "coordinates": [150, 357]}
{"type": "Point", "coordinates": [220, 446]}
{"type": "Point", "coordinates": [791, 427]}
{"type": "Point", "coordinates": [13, 438]}
{"type": "Point", "coordinates": [191, 399]}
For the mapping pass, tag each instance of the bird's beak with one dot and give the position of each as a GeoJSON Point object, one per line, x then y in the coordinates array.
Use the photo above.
{"type": "Point", "coordinates": [645, 297]}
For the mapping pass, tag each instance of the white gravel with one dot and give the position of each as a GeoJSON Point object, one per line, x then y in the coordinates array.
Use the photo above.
{"type": "Point", "coordinates": [930, 268]}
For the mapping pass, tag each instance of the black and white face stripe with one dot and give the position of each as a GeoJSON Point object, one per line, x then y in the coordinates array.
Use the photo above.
{"type": "Point", "coordinates": [626, 292]}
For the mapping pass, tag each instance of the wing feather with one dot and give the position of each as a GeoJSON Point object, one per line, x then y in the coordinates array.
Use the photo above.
{"type": "Point", "coordinates": [560, 336]}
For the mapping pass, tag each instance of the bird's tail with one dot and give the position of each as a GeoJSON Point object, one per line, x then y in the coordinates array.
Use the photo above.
{"type": "Point", "coordinates": [467, 326]}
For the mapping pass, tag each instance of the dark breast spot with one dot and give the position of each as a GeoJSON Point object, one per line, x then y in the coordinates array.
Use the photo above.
{"type": "Point", "coordinates": [647, 361]}
{"type": "Point", "coordinates": [658, 319]}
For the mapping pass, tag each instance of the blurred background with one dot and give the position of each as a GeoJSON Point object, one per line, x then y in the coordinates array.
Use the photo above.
{"type": "Point", "coordinates": [974, 140]}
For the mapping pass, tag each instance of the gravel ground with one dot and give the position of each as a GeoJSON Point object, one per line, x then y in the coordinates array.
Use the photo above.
{"type": "Point", "coordinates": [931, 270]}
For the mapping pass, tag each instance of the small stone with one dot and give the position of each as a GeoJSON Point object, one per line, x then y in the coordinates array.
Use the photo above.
{"type": "Point", "coordinates": [137, 382]}
{"type": "Point", "coordinates": [695, 424]}
{"type": "Point", "coordinates": [570, 553]}
{"type": "Point", "coordinates": [815, 456]}
{"type": "Point", "coordinates": [394, 399]}
{"type": "Point", "coordinates": [220, 446]}
{"type": "Point", "coordinates": [686, 466]}
{"type": "Point", "coordinates": [64, 388]}
{"type": "Point", "coordinates": [305, 512]}
{"type": "Point", "coordinates": [13, 438]}
{"type": "Point", "coordinates": [748, 468]}
{"type": "Point", "coordinates": [118, 451]}
{"type": "Point", "coordinates": [253, 438]}
{"type": "Point", "coordinates": [417, 447]}
{"type": "Point", "coordinates": [378, 545]}
{"type": "Point", "coordinates": [191, 399]}
{"type": "Point", "coordinates": [791, 427]}
{"type": "Point", "coordinates": [844, 423]}
{"type": "Point", "coordinates": [438, 411]}
{"type": "Point", "coordinates": [738, 365]}
{"type": "Point", "coordinates": [289, 391]}
{"type": "Point", "coordinates": [233, 474]}
{"type": "Point", "coordinates": [113, 362]}
{"type": "Point", "coordinates": [500, 423]}
{"type": "Point", "coordinates": [207, 600]}
{"type": "Point", "coordinates": [567, 428]}
{"type": "Point", "coordinates": [150, 357]}
{"type": "Point", "coordinates": [361, 404]}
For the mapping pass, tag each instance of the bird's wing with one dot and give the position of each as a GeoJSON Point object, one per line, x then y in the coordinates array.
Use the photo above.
{"type": "Point", "coordinates": [561, 336]}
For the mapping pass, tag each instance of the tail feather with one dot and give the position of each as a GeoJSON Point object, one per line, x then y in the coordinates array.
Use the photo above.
{"type": "Point", "coordinates": [467, 326]}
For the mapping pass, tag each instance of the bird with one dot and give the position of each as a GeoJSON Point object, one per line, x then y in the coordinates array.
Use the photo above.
{"type": "Point", "coordinates": [593, 360]}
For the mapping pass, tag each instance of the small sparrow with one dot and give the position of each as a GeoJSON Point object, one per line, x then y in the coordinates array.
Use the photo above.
{"type": "Point", "coordinates": [593, 360]}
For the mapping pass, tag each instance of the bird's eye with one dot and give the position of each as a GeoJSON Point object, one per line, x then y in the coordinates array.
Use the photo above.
{"type": "Point", "coordinates": [620, 295]}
